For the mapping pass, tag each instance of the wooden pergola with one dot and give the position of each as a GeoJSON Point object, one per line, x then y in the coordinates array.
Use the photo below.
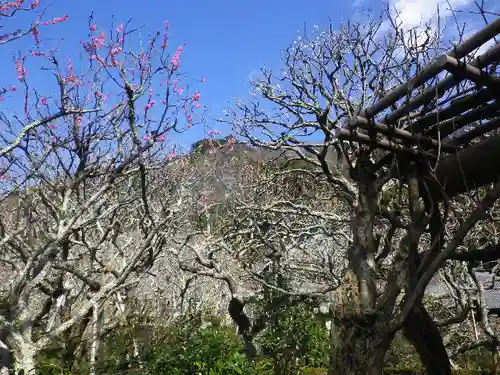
{"type": "Point", "coordinates": [421, 125]}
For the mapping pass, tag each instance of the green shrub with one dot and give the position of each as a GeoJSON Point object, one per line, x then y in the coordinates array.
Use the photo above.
{"type": "Point", "coordinates": [185, 348]}
{"type": "Point", "coordinates": [393, 371]}
{"type": "Point", "coordinates": [294, 343]}
{"type": "Point", "coordinates": [403, 371]}
{"type": "Point", "coordinates": [195, 344]}
{"type": "Point", "coordinates": [471, 372]}
{"type": "Point", "coordinates": [296, 339]}
{"type": "Point", "coordinates": [52, 368]}
{"type": "Point", "coordinates": [314, 371]}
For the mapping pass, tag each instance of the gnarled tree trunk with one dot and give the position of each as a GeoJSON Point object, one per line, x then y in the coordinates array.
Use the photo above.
{"type": "Point", "coordinates": [359, 347]}
{"type": "Point", "coordinates": [24, 358]}
{"type": "Point", "coordinates": [21, 349]}
{"type": "Point", "coordinates": [242, 321]}
{"type": "Point", "coordinates": [359, 335]}
{"type": "Point", "coordinates": [5, 357]}
{"type": "Point", "coordinates": [422, 332]}
{"type": "Point", "coordinates": [419, 328]}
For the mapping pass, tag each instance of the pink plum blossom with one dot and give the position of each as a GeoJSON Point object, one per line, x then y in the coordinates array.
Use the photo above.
{"type": "Point", "coordinates": [171, 156]}
{"type": "Point", "coordinates": [56, 20]}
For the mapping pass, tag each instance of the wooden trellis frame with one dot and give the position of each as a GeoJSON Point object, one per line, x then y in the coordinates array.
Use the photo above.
{"type": "Point", "coordinates": [462, 162]}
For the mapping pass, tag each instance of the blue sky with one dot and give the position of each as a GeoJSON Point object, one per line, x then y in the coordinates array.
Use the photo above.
{"type": "Point", "coordinates": [227, 40]}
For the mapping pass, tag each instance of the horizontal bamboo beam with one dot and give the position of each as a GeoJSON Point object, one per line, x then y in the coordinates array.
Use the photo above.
{"type": "Point", "coordinates": [471, 72]}
{"type": "Point", "coordinates": [434, 68]}
{"type": "Point", "coordinates": [447, 127]}
{"type": "Point", "coordinates": [467, 170]}
{"type": "Point", "coordinates": [477, 131]}
{"type": "Point", "coordinates": [476, 40]}
{"type": "Point", "coordinates": [456, 107]}
{"type": "Point", "coordinates": [353, 135]}
{"type": "Point", "coordinates": [415, 139]}
{"type": "Point", "coordinates": [448, 119]}
{"type": "Point", "coordinates": [439, 89]}
{"type": "Point", "coordinates": [430, 71]}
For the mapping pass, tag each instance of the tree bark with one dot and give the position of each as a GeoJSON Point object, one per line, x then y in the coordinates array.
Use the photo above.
{"type": "Point", "coordinates": [422, 332]}
{"type": "Point", "coordinates": [22, 350]}
{"type": "Point", "coordinates": [95, 339]}
{"type": "Point", "coordinates": [419, 328]}
{"type": "Point", "coordinates": [74, 345]}
{"type": "Point", "coordinates": [24, 356]}
{"type": "Point", "coordinates": [5, 357]}
{"type": "Point", "coordinates": [359, 335]}
{"type": "Point", "coordinates": [242, 321]}
{"type": "Point", "coordinates": [358, 347]}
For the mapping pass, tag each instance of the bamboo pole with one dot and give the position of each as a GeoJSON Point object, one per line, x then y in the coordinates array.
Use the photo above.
{"type": "Point", "coordinates": [434, 68]}
{"type": "Point", "coordinates": [467, 170]}
{"type": "Point", "coordinates": [439, 89]}
{"type": "Point", "coordinates": [456, 107]}
{"type": "Point", "coordinates": [476, 132]}
{"type": "Point", "coordinates": [430, 71]}
{"type": "Point", "coordinates": [409, 137]}
{"type": "Point", "coordinates": [447, 127]}
{"type": "Point", "coordinates": [383, 144]}
{"type": "Point", "coordinates": [471, 72]}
